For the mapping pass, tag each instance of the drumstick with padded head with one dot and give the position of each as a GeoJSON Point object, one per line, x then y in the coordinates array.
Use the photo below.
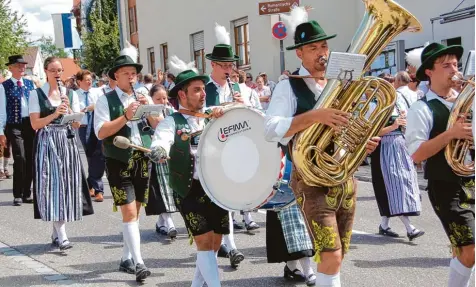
{"type": "Point", "coordinates": [125, 143]}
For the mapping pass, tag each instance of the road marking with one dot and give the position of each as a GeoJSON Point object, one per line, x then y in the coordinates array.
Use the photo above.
{"type": "Point", "coordinates": [32, 264]}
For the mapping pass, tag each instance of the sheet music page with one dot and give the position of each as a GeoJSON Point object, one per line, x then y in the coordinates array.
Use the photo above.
{"type": "Point", "coordinates": [345, 66]}
{"type": "Point", "coordinates": [69, 118]}
{"type": "Point", "coordinates": [153, 110]}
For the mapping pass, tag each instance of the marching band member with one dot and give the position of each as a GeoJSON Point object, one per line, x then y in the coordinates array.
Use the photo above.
{"type": "Point", "coordinates": [161, 196]}
{"type": "Point", "coordinates": [394, 177]}
{"type": "Point", "coordinates": [287, 240]}
{"type": "Point", "coordinates": [220, 90]}
{"type": "Point", "coordinates": [178, 136]}
{"type": "Point", "coordinates": [127, 170]}
{"type": "Point", "coordinates": [88, 97]}
{"type": "Point", "coordinates": [15, 120]}
{"type": "Point", "coordinates": [330, 225]}
{"type": "Point", "coordinates": [58, 183]}
{"type": "Point", "coordinates": [427, 138]}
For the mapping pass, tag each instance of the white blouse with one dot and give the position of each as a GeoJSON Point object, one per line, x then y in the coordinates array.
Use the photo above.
{"type": "Point", "coordinates": [34, 104]}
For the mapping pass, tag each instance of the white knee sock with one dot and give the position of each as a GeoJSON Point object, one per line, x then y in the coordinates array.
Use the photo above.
{"type": "Point", "coordinates": [384, 222]}
{"type": "Point", "coordinates": [459, 274]}
{"type": "Point", "coordinates": [60, 227]}
{"type": "Point", "coordinates": [247, 217]}
{"type": "Point", "coordinates": [207, 263]}
{"type": "Point", "coordinates": [160, 220]}
{"type": "Point", "coordinates": [406, 222]}
{"type": "Point", "coordinates": [132, 238]}
{"type": "Point", "coordinates": [126, 253]}
{"type": "Point", "coordinates": [198, 280]}
{"type": "Point", "coordinates": [5, 162]}
{"type": "Point", "coordinates": [306, 266]}
{"type": "Point", "coordinates": [1, 161]}
{"type": "Point", "coordinates": [292, 265]}
{"type": "Point", "coordinates": [324, 280]}
{"type": "Point", "coordinates": [168, 220]}
{"type": "Point", "coordinates": [229, 239]}
{"type": "Point", "coordinates": [54, 234]}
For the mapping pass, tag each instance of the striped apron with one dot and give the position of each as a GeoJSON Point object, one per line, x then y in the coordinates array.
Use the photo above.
{"type": "Point", "coordinates": [57, 175]}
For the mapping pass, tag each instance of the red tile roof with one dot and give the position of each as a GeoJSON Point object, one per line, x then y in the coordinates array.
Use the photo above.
{"type": "Point", "coordinates": [70, 68]}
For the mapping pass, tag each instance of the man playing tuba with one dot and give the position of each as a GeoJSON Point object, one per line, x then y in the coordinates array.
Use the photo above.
{"type": "Point", "coordinates": [427, 137]}
{"type": "Point", "coordinates": [328, 212]}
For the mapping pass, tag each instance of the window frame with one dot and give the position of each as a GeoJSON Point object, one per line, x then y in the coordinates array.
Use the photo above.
{"type": "Point", "coordinates": [133, 20]}
{"type": "Point", "coordinates": [164, 52]}
{"type": "Point", "coordinates": [151, 55]}
{"type": "Point", "coordinates": [237, 28]}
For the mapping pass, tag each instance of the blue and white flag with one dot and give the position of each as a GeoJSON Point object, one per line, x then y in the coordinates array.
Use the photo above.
{"type": "Point", "coordinates": [66, 35]}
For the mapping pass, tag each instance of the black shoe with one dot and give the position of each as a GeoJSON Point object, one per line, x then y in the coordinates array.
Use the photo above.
{"type": "Point", "coordinates": [235, 257]}
{"type": "Point", "coordinates": [160, 230]}
{"type": "Point", "coordinates": [172, 233]}
{"type": "Point", "coordinates": [27, 200]}
{"type": "Point", "coordinates": [127, 266]}
{"type": "Point", "coordinates": [236, 225]}
{"type": "Point", "coordinates": [142, 272]}
{"type": "Point", "coordinates": [17, 202]}
{"type": "Point", "coordinates": [224, 251]}
{"type": "Point", "coordinates": [55, 242]}
{"type": "Point", "coordinates": [252, 226]}
{"type": "Point", "coordinates": [311, 280]}
{"type": "Point", "coordinates": [387, 232]}
{"type": "Point", "coordinates": [65, 245]}
{"type": "Point", "coordinates": [415, 234]}
{"type": "Point", "coordinates": [295, 275]}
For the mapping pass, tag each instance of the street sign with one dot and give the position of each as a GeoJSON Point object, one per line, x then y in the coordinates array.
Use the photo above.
{"type": "Point", "coordinates": [276, 7]}
{"type": "Point", "coordinates": [279, 30]}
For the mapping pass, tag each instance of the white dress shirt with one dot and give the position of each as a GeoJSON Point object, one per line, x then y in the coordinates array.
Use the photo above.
{"type": "Point", "coordinates": [266, 91]}
{"type": "Point", "coordinates": [282, 108]}
{"type": "Point", "coordinates": [224, 93]}
{"type": "Point", "coordinates": [420, 122]}
{"type": "Point", "coordinates": [93, 96]}
{"type": "Point", "coordinates": [250, 96]}
{"type": "Point", "coordinates": [102, 115]}
{"type": "Point", "coordinates": [165, 134]}
{"type": "Point", "coordinates": [3, 104]}
{"type": "Point", "coordinates": [35, 105]}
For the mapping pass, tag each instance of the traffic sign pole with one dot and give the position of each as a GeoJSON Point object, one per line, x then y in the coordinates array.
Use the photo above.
{"type": "Point", "coordinates": [281, 53]}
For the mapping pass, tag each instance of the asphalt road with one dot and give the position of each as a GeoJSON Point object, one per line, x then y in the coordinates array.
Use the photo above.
{"type": "Point", "coordinates": [27, 259]}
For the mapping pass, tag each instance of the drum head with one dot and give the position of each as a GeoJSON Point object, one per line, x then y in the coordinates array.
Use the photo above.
{"type": "Point", "coordinates": [236, 165]}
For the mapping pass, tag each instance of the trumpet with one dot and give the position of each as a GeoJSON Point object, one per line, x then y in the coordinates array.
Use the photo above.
{"type": "Point", "coordinates": [145, 127]}
{"type": "Point", "coordinates": [70, 129]}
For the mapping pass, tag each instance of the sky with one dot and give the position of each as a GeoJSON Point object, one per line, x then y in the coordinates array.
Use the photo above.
{"type": "Point", "coordinates": [38, 14]}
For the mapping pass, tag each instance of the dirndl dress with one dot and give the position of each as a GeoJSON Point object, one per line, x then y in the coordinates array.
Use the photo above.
{"type": "Point", "coordinates": [58, 175]}
{"type": "Point", "coordinates": [161, 196]}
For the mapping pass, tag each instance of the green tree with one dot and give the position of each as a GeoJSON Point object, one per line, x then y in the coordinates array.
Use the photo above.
{"type": "Point", "coordinates": [13, 33]}
{"type": "Point", "coordinates": [101, 45]}
{"type": "Point", "coordinates": [48, 48]}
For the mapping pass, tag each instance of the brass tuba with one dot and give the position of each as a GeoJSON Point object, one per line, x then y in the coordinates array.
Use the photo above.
{"type": "Point", "coordinates": [383, 21]}
{"type": "Point", "coordinates": [458, 151]}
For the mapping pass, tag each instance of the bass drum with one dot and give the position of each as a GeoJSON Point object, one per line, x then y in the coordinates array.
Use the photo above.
{"type": "Point", "coordinates": [237, 167]}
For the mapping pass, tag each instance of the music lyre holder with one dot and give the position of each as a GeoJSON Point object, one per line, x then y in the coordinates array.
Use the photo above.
{"type": "Point", "coordinates": [148, 110]}
{"type": "Point", "coordinates": [68, 119]}
{"type": "Point", "coordinates": [345, 66]}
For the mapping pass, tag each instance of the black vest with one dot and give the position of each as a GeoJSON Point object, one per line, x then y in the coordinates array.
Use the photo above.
{"type": "Point", "coordinates": [436, 167]}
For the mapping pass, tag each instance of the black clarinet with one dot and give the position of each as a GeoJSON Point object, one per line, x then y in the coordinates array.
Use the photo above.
{"type": "Point", "coordinates": [144, 123]}
{"type": "Point", "coordinates": [70, 129]}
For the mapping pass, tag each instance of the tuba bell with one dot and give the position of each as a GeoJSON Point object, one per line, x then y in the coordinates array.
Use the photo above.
{"type": "Point", "coordinates": [315, 162]}
{"type": "Point", "coordinates": [459, 153]}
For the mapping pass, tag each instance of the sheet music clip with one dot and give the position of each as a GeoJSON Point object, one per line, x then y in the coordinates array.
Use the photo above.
{"type": "Point", "coordinates": [148, 110]}
{"type": "Point", "coordinates": [70, 118]}
{"type": "Point", "coordinates": [345, 66]}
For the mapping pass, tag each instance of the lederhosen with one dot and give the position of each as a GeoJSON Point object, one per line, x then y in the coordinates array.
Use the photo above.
{"type": "Point", "coordinates": [328, 212]}
{"type": "Point", "coordinates": [201, 215]}
{"type": "Point", "coordinates": [60, 191]}
{"type": "Point", "coordinates": [127, 170]}
{"type": "Point", "coordinates": [213, 97]}
{"type": "Point", "coordinates": [21, 135]}
{"type": "Point", "coordinates": [161, 195]}
{"type": "Point", "coordinates": [451, 196]}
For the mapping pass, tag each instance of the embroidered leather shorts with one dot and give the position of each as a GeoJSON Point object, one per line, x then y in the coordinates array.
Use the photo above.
{"type": "Point", "coordinates": [455, 209]}
{"type": "Point", "coordinates": [328, 213]}
{"type": "Point", "coordinates": [201, 215]}
{"type": "Point", "coordinates": [129, 182]}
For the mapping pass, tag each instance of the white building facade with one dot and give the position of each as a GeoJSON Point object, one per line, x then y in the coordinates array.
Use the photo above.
{"type": "Point", "coordinates": [186, 28]}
